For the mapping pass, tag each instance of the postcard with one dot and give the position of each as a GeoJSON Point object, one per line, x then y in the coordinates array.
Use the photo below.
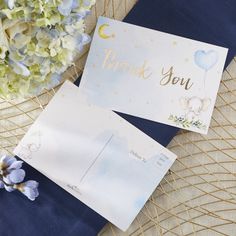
{"type": "Point", "coordinates": [153, 75]}
{"type": "Point", "coordinates": [95, 155]}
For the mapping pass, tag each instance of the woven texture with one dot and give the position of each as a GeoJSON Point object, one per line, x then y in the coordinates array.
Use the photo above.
{"type": "Point", "coordinates": [198, 195]}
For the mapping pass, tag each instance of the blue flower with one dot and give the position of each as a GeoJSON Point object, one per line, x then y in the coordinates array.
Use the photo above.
{"type": "Point", "coordinates": [66, 6]}
{"type": "Point", "coordinates": [29, 189]}
{"type": "Point", "coordinates": [55, 80]}
{"type": "Point", "coordinates": [8, 164]}
{"type": "Point", "coordinates": [11, 177]}
{"type": "Point", "coordinates": [81, 40]}
{"type": "Point", "coordinates": [14, 176]}
{"type": "Point", "coordinates": [9, 188]}
{"type": "Point", "coordinates": [11, 171]}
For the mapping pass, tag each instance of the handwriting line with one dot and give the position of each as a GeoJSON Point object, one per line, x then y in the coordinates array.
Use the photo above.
{"type": "Point", "coordinates": [96, 158]}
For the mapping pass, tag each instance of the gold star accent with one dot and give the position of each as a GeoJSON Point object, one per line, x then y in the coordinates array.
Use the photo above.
{"type": "Point", "coordinates": [174, 43]}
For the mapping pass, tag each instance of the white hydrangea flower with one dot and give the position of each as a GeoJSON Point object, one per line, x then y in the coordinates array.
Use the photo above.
{"type": "Point", "coordinates": [39, 39]}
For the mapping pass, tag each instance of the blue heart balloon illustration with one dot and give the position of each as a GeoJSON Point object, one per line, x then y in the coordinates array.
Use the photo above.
{"type": "Point", "coordinates": [205, 60]}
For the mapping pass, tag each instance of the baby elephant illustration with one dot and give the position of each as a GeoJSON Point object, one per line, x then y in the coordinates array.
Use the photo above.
{"type": "Point", "coordinates": [32, 145]}
{"type": "Point", "coordinates": [194, 106]}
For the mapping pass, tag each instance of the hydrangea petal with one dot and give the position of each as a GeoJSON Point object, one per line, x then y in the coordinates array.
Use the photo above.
{"type": "Point", "coordinates": [10, 3]}
{"type": "Point", "coordinates": [19, 68]}
{"type": "Point", "coordinates": [55, 80]}
{"type": "Point", "coordinates": [75, 4]}
{"type": "Point", "coordinates": [19, 26]}
{"type": "Point", "coordinates": [65, 7]}
{"type": "Point", "coordinates": [86, 39]}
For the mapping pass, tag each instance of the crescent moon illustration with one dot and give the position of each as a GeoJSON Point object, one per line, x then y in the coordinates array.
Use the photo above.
{"type": "Point", "coordinates": [102, 34]}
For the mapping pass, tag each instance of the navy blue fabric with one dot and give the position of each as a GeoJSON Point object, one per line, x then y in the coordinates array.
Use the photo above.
{"type": "Point", "coordinates": [204, 20]}
{"type": "Point", "coordinates": [56, 212]}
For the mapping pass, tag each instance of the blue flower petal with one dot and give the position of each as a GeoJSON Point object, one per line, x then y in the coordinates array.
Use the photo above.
{"type": "Point", "coordinates": [7, 180]}
{"type": "Point", "coordinates": [1, 184]}
{"type": "Point", "coordinates": [7, 160]}
{"type": "Point", "coordinates": [81, 40]}
{"type": "Point", "coordinates": [30, 189]}
{"type": "Point", "coordinates": [12, 176]}
{"type": "Point", "coordinates": [31, 193]}
{"type": "Point", "coordinates": [31, 184]}
{"type": "Point", "coordinates": [9, 188]}
{"type": "Point", "coordinates": [75, 4]}
{"type": "Point", "coordinates": [87, 3]}
{"type": "Point", "coordinates": [15, 165]}
{"type": "Point", "coordinates": [65, 7]}
{"type": "Point", "coordinates": [55, 80]}
{"type": "Point", "coordinates": [85, 39]}
{"type": "Point", "coordinates": [16, 176]}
